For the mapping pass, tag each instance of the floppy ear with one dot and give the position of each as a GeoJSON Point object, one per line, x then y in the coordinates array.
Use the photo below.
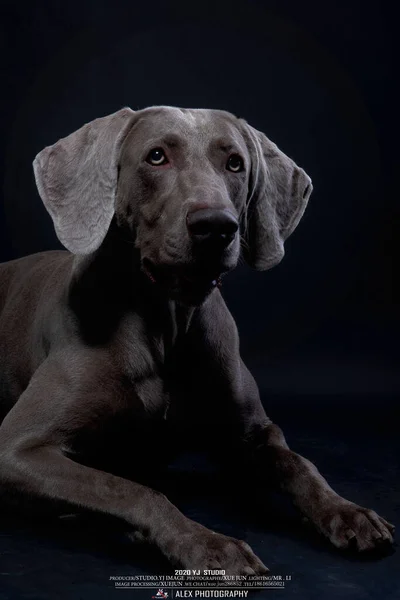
{"type": "Point", "coordinates": [77, 180]}
{"type": "Point", "coordinates": [278, 194]}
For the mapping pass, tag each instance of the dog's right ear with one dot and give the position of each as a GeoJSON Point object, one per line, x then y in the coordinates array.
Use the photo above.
{"type": "Point", "coordinates": [77, 180]}
{"type": "Point", "coordinates": [279, 194]}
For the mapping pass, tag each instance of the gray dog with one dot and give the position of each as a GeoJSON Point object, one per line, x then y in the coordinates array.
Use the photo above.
{"type": "Point", "coordinates": [107, 347]}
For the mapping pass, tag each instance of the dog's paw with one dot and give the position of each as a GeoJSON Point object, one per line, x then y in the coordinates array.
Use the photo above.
{"type": "Point", "coordinates": [348, 525]}
{"type": "Point", "coordinates": [205, 549]}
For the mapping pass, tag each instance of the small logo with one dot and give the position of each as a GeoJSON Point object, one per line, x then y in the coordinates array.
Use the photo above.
{"type": "Point", "coordinates": [160, 595]}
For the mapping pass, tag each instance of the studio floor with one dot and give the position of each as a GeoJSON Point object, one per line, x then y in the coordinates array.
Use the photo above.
{"type": "Point", "coordinates": [74, 558]}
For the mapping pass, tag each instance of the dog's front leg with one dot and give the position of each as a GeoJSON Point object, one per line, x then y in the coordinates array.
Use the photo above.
{"type": "Point", "coordinates": [261, 443]}
{"type": "Point", "coordinates": [67, 396]}
{"type": "Point", "coordinates": [342, 521]}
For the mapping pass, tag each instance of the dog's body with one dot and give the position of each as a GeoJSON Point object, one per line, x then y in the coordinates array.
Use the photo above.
{"type": "Point", "coordinates": [106, 346]}
{"type": "Point", "coordinates": [149, 382]}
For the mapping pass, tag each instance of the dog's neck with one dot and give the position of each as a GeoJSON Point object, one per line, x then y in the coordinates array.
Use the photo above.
{"type": "Point", "coordinates": [110, 283]}
{"type": "Point", "coordinates": [181, 317]}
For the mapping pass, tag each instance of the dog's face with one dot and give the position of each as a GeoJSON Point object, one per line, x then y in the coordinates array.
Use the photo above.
{"type": "Point", "coordinates": [182, 189]}
{"type": "Point", "coordinates": [193, 186]}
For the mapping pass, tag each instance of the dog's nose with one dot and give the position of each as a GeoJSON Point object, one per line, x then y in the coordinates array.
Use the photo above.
{"type": "Point", "coordinates": [212, 225]}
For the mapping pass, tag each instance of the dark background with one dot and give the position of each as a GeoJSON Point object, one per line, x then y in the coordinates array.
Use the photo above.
{"type": "Point", "coordinates": [320, 331]}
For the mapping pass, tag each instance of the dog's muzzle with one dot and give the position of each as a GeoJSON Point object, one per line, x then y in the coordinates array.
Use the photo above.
{"type": "Point", "coordinates": [211, 228]}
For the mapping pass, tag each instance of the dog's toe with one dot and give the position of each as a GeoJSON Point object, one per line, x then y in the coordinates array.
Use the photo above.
{"type": "Point", "coordinates": [348, 525]}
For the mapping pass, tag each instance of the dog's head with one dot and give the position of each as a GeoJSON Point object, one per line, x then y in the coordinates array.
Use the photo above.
{"type": "Point", "coordinates": [192, 186]}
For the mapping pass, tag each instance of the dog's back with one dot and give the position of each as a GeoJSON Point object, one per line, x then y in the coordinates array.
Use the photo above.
{"type": "Point", "coordinates": [29, 287]}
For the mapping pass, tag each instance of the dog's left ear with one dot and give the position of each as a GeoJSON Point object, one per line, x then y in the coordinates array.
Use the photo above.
{"type": "Point", "coordinates": [77, 180]}
{"type": "Point", "coordinates": [278, 194]}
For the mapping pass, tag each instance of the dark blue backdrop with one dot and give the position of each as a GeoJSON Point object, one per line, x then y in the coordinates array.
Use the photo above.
{"type": "Point", "coordinates": [320, 332]}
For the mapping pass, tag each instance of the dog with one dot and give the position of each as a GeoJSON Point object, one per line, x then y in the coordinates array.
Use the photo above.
{"type": "Point", "coordinates": [126, 335]}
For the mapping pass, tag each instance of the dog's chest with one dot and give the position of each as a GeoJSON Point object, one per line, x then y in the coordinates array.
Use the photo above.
{"type": "Point", "coordinates": [151, 358]}
{"type": "Point", "coordinates": [123, 444]}
{"type": "Point", "coordinates": [139, 434]}
{"type": "Point", "coordinates": [143, 428]}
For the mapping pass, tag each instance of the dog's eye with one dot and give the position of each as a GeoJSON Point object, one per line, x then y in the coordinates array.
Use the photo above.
{"type": "Point", "coordinates": [156, 157]}
{"type": "Point", "coordinates": [235, 163]}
